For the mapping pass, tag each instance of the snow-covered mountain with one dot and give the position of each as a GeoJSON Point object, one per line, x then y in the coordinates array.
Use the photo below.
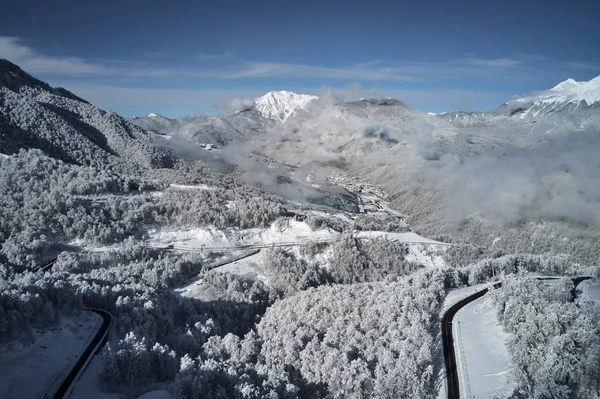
{"type": "Point", "coordinates": [155, 122]}
{"type": "Point", "coordinates": [536, 121]}
{"type": "Point", "coordinates": [280, 105]}
{"type": "Point", "coordinates": [568, 96]}
{"type": "Point", "coordinates": [34, 114]}
{"type": "Point", "coordinates": [568, 91]}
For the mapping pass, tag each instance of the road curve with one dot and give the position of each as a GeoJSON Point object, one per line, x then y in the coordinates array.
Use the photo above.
{"type": "Point", "coordinates": [98, 340]}
{"type": "Point", "coordinates": [452, 388]}
{"type": "Point", "coordinates": [452, 384]}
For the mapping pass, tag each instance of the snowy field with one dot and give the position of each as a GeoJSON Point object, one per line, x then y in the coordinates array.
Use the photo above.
{"type": "Point", "coordinates": [200, 187]}
{"type": "Point", "coordinates": [590, 289]}
{"type": "Point", "coordinates": [408, 237]}
{"type": "Point", "coordinates": [482, 356]}
{"type": "Point", "coordinates": [87, 386]}
{"type": "Point", "coordinates": [278, 232]}
{"type": "Point", "coordinates": [30, 369]}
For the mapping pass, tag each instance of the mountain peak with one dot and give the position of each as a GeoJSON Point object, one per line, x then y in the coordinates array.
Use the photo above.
{"type": "Point", "coordinates": [566, 85]}
{"type": "Point", "coordinates": [280, 105]}
{"type": "Point", "coordinates": [569, 91]}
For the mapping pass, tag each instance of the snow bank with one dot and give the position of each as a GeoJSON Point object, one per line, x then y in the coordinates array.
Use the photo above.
{"type": "Point", "coordinates": [188, 187]}
{"type": "Point", "coordinates": [482, 356]}
{"type": "Point", "coordinates": [46, 359]}
{"type": "Point", "coordinates": [158, 394]}
{"type": "Point", "coordinates": [209, 237]}
{"type": "Point", "coordinates": [590, 289]}
{"type": "Point", "coordinates": [409, 238]}
{"type": "Point", "coordinates": [88, 384]}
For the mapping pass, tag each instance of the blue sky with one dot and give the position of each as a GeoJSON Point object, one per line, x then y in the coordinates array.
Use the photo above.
{"type": "Point", "coordinates": [184, 57]}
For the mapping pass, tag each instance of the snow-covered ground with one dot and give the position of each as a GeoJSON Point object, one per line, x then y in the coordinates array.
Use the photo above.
{"type": "Point", "coordinates": [192, 238]}
{"type": "Point", "coordinates": [158, 394]}
{"type": "Point", "coordinates": [30, 369]}
{"type": "Point", "coordinates": [590, 289]}
{"type": "Point", "coordinates": [457, 294]}
{"type": "Point", "coordinates": [249, 267]}
{"type": "Point", "coordinates": [187, 187]}
{"type": "Point", "coordinates": [409, 237]}
{"type": "Point", "coordinates": [87, 386]}
{"type": "Point", "coordinates": [283, 231]}
{"type": "Point", "coordinates": [483, 360]}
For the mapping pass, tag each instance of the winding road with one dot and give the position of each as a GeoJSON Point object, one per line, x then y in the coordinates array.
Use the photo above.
{"type": "Point", "coordinates": [452, 384]}
{"type": "Point", "coordinates": [452, 388]}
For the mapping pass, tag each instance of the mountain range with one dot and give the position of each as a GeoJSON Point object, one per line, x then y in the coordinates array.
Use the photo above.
{"type": "Point", "coordinates": [533, 157]}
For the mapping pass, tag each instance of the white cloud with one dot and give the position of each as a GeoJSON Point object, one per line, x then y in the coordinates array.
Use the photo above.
{"type": "Point", "coordinates": [492, 62]}
{"type": "Point", "coordinates": [109, 96]}
{"type": "Point", "coordinates": [448, 99]}
{"type": "Point", "coordinates": [34, 63]}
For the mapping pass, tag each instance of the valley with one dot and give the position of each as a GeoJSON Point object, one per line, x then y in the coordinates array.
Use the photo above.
{"type": "Point", "coordinates": [301, 246]}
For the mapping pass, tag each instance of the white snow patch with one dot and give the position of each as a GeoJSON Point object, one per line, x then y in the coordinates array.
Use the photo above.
{"type": "Point", "coordinates": [188, 187]}
{"type": "Point", "coordinates": [426, 255]}
{"type": "Point", "coordinates": [408, 237]}
{"type": "Point", "coordinates": [31, 369]}
{"type": "Point", "coordinates": [152, 115]}
{"type": "Point", "coordinates": [590, 289]}
{"type": "Point", "coordinates": [193, 238]}
{"type": "Point", "coordinates": [482, 356]}
{"type": "Point", "coordinates": [249, 267]}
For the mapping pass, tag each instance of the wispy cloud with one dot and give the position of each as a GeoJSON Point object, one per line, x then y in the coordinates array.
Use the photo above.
{"type": "Point", "coordinates": [493, 62]}
{"type": "Point", "coordinates": [583, 65]}
{"type": "Point", "coordinates": [108, 82]}
{"type": "Point", "coordinates": [34, 62]}
{"type": "Point", "coordinates": [271, 69]}
{"type": "Point", "coordinates": [112, 96]}
{"type": "Point", "coordinates": [12, 49]}
{"type": "Point", "coordinates": [216, 56]}
{"type": "Point", "coordinates": [369, 64]}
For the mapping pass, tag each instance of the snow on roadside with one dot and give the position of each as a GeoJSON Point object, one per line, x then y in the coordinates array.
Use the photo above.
{"type": "Point", "coordinates": [408, 237]}
{"type": "Point", "coordinates": [209, 237]}
{"type": "Point", "coordinates": [590, 289]}
{"type": "Point", "coordinates": [455, 295]}
{"type": "Point", "coordinates": [47, 359]}
{"type": "Point", "coordinates": [201, 187]}
{"type": "Point", "coordinates": [286, 230]}
{"type": "Point", "coordinates": [283, 230]}
{"type": "Point", "coordinates": [88, 384]}
{"type": "Point", "coordinates": [248, 267]}
{"type": "Point", "coordinates": [482, 356]}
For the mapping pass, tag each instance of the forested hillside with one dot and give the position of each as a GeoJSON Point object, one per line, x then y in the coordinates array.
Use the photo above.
{"type": "Point", "coordinates": [283, 269]}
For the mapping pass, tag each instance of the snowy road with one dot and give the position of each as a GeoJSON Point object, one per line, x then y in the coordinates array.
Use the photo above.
{"type": "Point", "coordinates": [87, 355]}
{"type": "Point", "coordinates": [452, 378]}
{"type": "Point", "coordinates": [453, 368]}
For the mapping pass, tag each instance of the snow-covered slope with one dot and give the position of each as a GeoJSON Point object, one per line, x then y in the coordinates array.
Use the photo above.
{"type": "Point", "coordinates": [566, 97]}
{"type": "Point", "coordinates": [280, 105]}
{"type": "Point", "coordinates": [35, 115]}
{"type": "Point", "coordinates": [568, 91]}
